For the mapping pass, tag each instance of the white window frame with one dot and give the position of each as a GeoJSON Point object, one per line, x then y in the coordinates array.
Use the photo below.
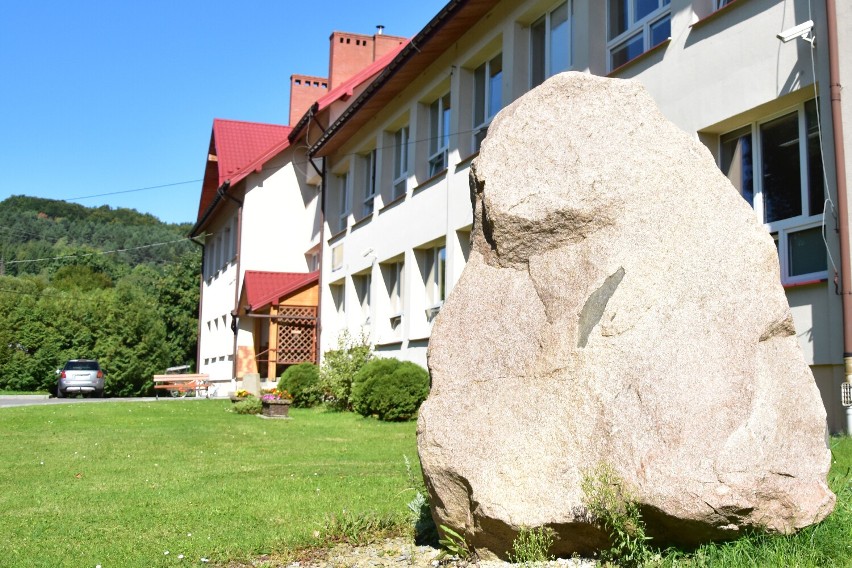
{"type": "Point", "coordinates": [483, 94]}
{"type": "Point", "coordinates": [635, 27]}
{"type": "Point", "coordinates": [439, 134]}
{"type": "Point", "coordinates": [781, 229]}
{"type": "Point", "coordinates": [400, 162]}
{"type": "Point", "coordinates": [345, 196]}
{"type": "Point", "coordinates": [337, 257]}
{"type": "Point", "coordinates": [548, 62]}
{"type": "Point", "coordinates": [436, 279]}
{"type": "Point", "coordinates": [338, 297]}
{"type": "Point", "coordinates": [363, 284]}
{"type": "Point", "coordinates": [370, 185]}
{"type": "Point", "coordinates": [396, 296]}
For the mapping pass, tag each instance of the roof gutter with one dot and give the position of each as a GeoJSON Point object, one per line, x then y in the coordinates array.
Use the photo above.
{"type": "Point", "coordinates": [840, 172]}
{"type": "Point", "coordinates": [303, 122]}
{"type": "Point", "coordinates": [221, 192]}
{"type": "Point", "coordinates": [401, 59]}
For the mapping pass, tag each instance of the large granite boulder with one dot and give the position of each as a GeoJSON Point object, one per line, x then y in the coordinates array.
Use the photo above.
{"type": "Point", "coordinates": [621, 306]}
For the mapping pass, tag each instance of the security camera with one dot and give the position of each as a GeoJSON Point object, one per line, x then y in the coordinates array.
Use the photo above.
{"type": "Point", "coordinates": [802, 31]}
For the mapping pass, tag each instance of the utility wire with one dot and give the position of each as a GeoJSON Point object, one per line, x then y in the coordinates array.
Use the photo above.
{"type": "Point", "coordinates": [131, 190]}
{"type": "Point", "coordinates": [86, 254]}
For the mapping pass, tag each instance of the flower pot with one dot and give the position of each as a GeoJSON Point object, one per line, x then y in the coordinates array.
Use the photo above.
{"type": "Point", "coordinates": [276, 408]}
{"type": "Point", "coordinates": [235, 399]}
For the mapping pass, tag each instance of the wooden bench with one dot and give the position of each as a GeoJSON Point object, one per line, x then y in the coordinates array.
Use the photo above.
{"type": "Point", "coordinates": [183, 383]}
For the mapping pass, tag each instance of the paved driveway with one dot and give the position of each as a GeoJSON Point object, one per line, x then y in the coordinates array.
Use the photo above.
{"type": "Point", "coordinates": [39, 399]}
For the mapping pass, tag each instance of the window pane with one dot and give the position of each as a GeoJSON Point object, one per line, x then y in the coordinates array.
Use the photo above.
{"type": "Point", "coordinates": [782, 192]}
{"type": "Point", "coordinates": [445, 123]}
{"type": "Point", "coordinates": [559, 40]}
{"type": "Point", "coordinates": [633, 47]}
{"type": "Point", "coordinates": [617, 17]}
{"type": "Point", "coordinates": [434, 120]}
{"type": "Point", "coordinates": [495, 85]}
{"type": "Point", "coordinates": [737, 162]}
{"type": "Point", "coordinates": [479, 95]}
{"type": "Point", "coordinates": [442, 278]}
{"type": "Point", "coordinates": [661, 30]}
{"type": "Point", "coordinates": [643, 8]}
{"type": "Point", "coordinates": [537, 47]}
{"type": "Point", "coordinates": [816, 186]}
{"type": "Point", "coordinates": [807, 252]}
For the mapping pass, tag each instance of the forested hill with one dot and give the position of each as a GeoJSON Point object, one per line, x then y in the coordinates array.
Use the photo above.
{"type": "Point", "coordinates": [110, 284]}
{"type": "Point", "coordinates": [33, 228]}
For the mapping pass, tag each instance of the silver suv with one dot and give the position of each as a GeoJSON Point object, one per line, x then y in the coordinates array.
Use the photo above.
{"type": "Point", "coordinates": [80, 376]}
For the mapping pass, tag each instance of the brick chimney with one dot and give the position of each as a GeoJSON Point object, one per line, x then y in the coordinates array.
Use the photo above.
{"type": "Point", "coordinates": [350, 53]}
{"type": "Point", "coordinates": [304, 91]}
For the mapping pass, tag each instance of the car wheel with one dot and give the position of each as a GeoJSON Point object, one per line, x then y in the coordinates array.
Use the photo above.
{"type": "Point", "coordinates": [99, 394]}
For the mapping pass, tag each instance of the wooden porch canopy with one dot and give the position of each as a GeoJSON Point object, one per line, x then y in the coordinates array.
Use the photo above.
{"type": "Point", "coordinates": [285, 305]}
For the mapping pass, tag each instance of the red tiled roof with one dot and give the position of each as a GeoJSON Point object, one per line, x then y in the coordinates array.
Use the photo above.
{"type": "Point", "coordinates": [347, 88]}
{"type": "Point", "coordinates": [262, 288]}
{"type": "Point", "coordinates": [240, 148]}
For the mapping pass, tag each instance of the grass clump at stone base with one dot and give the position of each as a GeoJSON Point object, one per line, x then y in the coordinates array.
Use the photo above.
{"type": "Point", "coordinates": [137, 484]}
{"type": "Point", "coordinates": [828, 543]}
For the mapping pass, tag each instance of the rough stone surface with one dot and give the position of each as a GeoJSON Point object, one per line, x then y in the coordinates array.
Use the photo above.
{"type": "Point", "coordinates": [621, 306]}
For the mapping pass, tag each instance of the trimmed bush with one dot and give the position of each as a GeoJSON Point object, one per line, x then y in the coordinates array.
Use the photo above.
{"type": "Point", "coordinates": [250, 405]}
{"type": "Point", "coordinates": [302, 382]}
{"type": "Point", "coordinates": [339, 367]}
{"type": "Point", "coordinates": [389, 389]}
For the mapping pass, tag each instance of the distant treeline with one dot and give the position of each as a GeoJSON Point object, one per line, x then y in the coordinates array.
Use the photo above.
{"type": "Point", "coordinates": [79, 282]}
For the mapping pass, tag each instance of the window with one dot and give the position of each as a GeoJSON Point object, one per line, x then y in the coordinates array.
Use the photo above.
{"type": "Point", "coordinates": [338, 296]}
{"type": "Point", "coordinates": [439, 134]}
{"type": "Point", "coordinates": [788, 191]}
{"type": "Point", "coordinates": [550, 49]}
{"type": "Point", "coordinates": [487, 96]}
{"type": "Point", "coordinates": [369, 184]}
{"type": "Point", "coordinates": [436, 280]}
{"type": "Point", "coordinates": [337, 257]}
{"type": "Point", "coordinates": [363, 282]}
{"type": "Point", "coordinates": [635, 26]}
{"type": "Point", "coordinates": [400, 162]}
{"type": "Point", "coordinates": [345, 199]}
{"type": "Point", "coordinates": [723, 3]}
{"type": "Point", "coordinates": [395, 283]}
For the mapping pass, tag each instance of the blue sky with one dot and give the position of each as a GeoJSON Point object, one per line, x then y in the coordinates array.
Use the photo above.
{"type": "Point", "coordinates": [104, 97]}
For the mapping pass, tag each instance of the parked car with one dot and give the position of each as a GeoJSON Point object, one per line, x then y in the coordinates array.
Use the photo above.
{"type": "Point", "coordinates": [83, 376]}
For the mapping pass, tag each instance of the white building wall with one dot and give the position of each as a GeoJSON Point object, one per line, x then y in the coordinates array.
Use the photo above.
{"type": "Point", "coordinates": [718, 72]}
{"type": "Point", "coordinates": [278, 229]}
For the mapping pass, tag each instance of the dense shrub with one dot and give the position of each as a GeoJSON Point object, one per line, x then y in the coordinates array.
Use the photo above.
{"type": "Point", "coordinates": [389, 389]}
{"type": "Point", "coordinates": [302, 382]}
{"type": "Point", "coordinates": [250, 405]}
{"type": "Point", "coordinates": [339, 367]}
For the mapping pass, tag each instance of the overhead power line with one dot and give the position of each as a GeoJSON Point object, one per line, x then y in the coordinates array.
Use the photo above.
{"type": "Point", "coordinates": [85, 254]}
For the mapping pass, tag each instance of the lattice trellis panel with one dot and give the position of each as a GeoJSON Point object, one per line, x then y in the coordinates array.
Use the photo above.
{"type": "Point", "coordinates": [297, 335]}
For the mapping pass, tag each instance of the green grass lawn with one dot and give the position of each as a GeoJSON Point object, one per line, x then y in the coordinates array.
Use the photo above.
{"type": "Point", "coordinates": [120, 484]}
{"type": "Point", "coordinates": [139, 484]}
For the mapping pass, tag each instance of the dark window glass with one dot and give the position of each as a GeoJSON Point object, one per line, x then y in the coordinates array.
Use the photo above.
{"type": "Point", "coordinates": [782, 184]}
{"type": "Point", "coordinates": [661, 30]}
{"type": "Point", "coordinates": [617, 17]}
{"type": "Point", "coordinates": [537, 63]}
{"type": "Point", "coordinates": [816, 185]}
{"type": "Point", "coordinates": [737, 162]}
{"type": "Point", "coordinates": [633, 47]}
{"type": "Point", "coordinates": [806, 251]}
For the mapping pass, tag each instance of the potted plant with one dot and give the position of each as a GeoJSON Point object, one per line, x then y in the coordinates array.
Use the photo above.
{"type": "Point", "coordinates": [241, 394]}
{"type": "Point", "coordinates": [276, 403]}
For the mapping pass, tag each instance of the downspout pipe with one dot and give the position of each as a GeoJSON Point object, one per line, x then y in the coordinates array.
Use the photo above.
{"type": "Point", "coordinates": [200, 303]}
{"type": "Point", "coordinates": [842, 203]}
